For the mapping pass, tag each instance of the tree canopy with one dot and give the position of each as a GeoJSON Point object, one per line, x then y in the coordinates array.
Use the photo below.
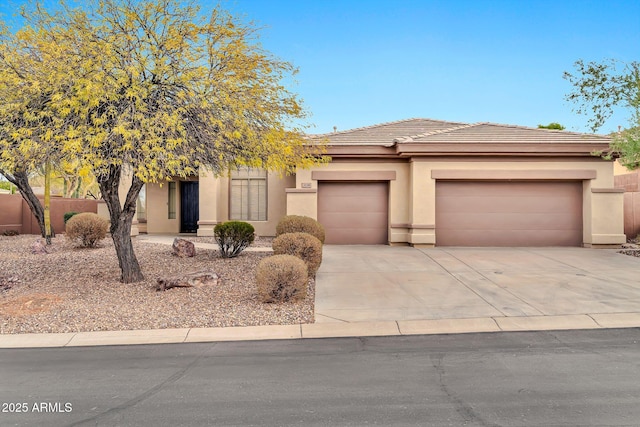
{"type": "Point", "coordinates": [150, 88]}
{"type": "Point", "coordinates": [601, 87]}
{"type": "Point", "coordinates": [552, 126]}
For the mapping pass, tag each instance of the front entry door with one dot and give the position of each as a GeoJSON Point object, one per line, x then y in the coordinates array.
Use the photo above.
{"type": "Point", "coordinates": [189, 206]}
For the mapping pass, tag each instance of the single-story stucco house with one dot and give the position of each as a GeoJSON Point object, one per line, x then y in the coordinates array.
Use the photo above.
{"type": "Point", "coordinates": [421, 182]}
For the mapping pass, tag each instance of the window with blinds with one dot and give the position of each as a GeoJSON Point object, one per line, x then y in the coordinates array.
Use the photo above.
{"type": "Point", "coordinates": [249, 195]}
{"type": "Point", "coordinates": [172, 200]}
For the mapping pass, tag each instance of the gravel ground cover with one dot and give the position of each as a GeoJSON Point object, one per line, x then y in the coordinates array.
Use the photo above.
{"type": "Point", "coordinates": [76, 290]}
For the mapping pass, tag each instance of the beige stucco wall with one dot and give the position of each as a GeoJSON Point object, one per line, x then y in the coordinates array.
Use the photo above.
{"type": "Point", "coordinates": [601, 221]}
{"type": "Point", "coordinates": [604, 229]}
{"type": "Point", "coordinates": [304, 200]}
{"type": "Point", "coordinates": [214, 204]}
{"type": "Point", "coordinates": [412, 194]}
{"type": "Point", "coordinates": [158, 221]}
{"type": "Point", "coordinates": [618, 169]}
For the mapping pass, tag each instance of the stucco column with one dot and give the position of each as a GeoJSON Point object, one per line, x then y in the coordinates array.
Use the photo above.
{"type": "Point", "coordinates": [606, 218]}
{"type": "Point", "coordinates": [422, 209]}
{"type": "Point", "coordinates": [303, 200]}
{"type": "Point", "coordinates": [208, 188]}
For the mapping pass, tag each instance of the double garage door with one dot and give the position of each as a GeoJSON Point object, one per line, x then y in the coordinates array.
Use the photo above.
{"type": "Point", "coordinates": [468, 213]}
{"type": "Point", "coordinates": [498, 213]}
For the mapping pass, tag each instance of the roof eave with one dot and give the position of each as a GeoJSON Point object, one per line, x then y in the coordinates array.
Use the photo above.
{"type": "Point", "coordinates": [501, 149]}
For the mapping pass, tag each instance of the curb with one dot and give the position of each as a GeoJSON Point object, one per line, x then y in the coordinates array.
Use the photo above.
{"type": "Point", "coordinates": [323, 330]}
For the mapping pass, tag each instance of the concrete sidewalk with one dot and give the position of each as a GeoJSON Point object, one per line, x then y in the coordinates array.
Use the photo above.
{"type": "Point", "coordinates": [383, 291]}
{"type": "Point", "coordinates": [167, 239]}
{"type": "Point", "coordinates": [323, 330]}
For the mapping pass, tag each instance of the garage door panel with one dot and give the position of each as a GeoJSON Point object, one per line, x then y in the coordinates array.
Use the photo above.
{"type": "Point", "coordinates": [350, 236]}
{"type": "Point", "coordinates": [344, 220]}
{"type": "Point", "coordinates": [348, 204]}
{"type": "Point", "coordinates": [500, 238]}
{"type": "Point", "coordinates": [506, 204]}
{"type": "Point", "coordinates": [509, 213]}
{"type": "Point", "coordinates": [533, 188]}
{"type": "Point", "coordinates": [511, 221]}
{"type": "Point", "coordinates": [354, 212]}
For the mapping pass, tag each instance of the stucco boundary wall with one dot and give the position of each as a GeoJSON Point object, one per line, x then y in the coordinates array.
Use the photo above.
{"type": "Point", "coordinates": [630, 182]}
{"type": "Point", "coordinates": [632, 214]}
{"type": "Point", "coordinates": [16, 215]}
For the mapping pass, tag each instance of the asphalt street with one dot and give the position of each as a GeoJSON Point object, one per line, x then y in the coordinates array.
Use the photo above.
{"type": "Point", "coordinates": [548, 378]}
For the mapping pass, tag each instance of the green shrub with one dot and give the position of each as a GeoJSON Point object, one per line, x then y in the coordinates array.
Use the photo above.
{"type": "Point", "coordinates": [10, 233]}
{"type": "Point", "coordinates": [233, 237]}
{"type": "Point", "coordinates": [86, 229]}
{"type": "Point", "coordinates": [300, 224]}
{"type": "Point", "coordinates": [69, 215]}
{"type": "Point", "coordinates": [281, 278]}
{"type": "Point", "coordinates": [303, 245]}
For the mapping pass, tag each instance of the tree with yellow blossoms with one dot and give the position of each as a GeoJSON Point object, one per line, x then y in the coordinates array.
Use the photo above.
{"type": "Point", "coordinates": [152, 90]}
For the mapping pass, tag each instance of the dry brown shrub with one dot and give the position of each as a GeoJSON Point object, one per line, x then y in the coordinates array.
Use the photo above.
{"type": "Point", "coordinates": [300, 224]}
{"type": "Point", "coordinates": [281, 278]}
{"type": "Point", "coordinates": [86, 229]}
{"type": "Point", "coordinates": [303, 245]}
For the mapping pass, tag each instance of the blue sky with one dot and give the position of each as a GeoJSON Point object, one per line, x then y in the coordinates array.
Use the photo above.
{"type": "Point", "coordinates": [366, 62]}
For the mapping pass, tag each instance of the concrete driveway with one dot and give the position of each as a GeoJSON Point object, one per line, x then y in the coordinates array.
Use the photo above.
{"type": "Point", "coordinates": [379, 283]}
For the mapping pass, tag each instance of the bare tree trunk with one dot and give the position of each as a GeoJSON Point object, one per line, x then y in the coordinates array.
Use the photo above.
{"type": "Point", "coordinates": [121, 220]}
{"type": "Point", "coordinates": [21, 181]}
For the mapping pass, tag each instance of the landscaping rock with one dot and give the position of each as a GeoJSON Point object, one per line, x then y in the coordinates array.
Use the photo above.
{"type": "Point", "coordinates": [7, 283]}
{"type": "Point", "coordinates": [183, 248]}
{"type": "Point", "coordinates": [38, 247]}
{"type": "Point", "coordinates": [192, 280]}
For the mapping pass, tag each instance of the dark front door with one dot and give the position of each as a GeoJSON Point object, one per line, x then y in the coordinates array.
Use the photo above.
{"type": "Point", "coordinates": [189, 207]}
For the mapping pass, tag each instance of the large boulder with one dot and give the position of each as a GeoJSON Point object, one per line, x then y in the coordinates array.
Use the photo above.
{"type": "Point", "coordinates": [183, 248]}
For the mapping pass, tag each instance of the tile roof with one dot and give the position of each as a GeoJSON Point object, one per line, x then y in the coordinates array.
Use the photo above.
{"type": "Point", "coordinates": [498, 133]}
{"type": "Point", "coordinates": [424, 131]}
{"type": "Point", "coordinates": [385, 133]}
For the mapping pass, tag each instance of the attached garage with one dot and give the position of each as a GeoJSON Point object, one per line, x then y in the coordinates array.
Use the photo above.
{"type": "Point", "coordinates": [354, 213]}
{"type": "Point", "coordinates": [509, 213]}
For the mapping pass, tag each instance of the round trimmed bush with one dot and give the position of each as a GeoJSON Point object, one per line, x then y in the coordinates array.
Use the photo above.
{"type": "Point", "coordinates": [233, 237]}
{"type": "Point", "coordinates": [281, 278]}
{"type": "Point", "coordinates": [300, 224]}
{"type": "Point", "coordinates": [86, 229]}
{"type": "Point", "coordinates": [68, 215]}
{"type": "Point", "coordinates": [303, 245]}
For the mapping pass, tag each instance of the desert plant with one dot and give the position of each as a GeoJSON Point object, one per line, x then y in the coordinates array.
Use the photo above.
{"type": "Point", "coordinates": [300, 224]}
{"type": "Point", "coordinates": [303, 245]}
{"type": "Point", "coordinates": [281, 278]}
{"type": "Point", "coordinates": [10, 233]}
{"type": "Point", "coordinates": [233, 237]}
{"type": "Point", "coordinates": [69, 215]}
{"type": "Point", "coordinates": [86, 229]}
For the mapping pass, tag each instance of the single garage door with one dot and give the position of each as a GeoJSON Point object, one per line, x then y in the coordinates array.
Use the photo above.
{"type": "Point", "coordinates": [508, 213]}
{"type": "Point", "coordinates": [354, 213]}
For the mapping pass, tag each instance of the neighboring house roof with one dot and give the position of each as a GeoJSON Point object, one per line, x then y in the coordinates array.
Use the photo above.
{"type": "Point", "coordinates": [427, 137]}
